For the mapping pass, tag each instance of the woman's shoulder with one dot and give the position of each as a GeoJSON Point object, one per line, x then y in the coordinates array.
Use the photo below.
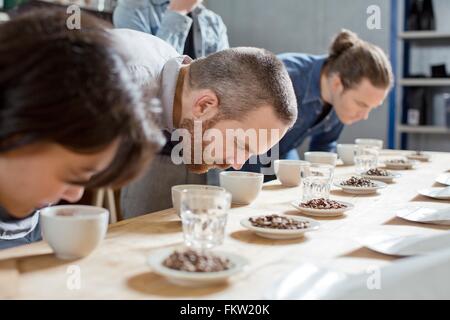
{"type": "Point", "coordinates": [208, 15]}
{"type": "Point", "coordinates": [301, 60]}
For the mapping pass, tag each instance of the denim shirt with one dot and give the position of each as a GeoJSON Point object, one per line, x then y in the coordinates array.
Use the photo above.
{"type": "Point", "coordinates": [305, 71]}
{"type": "Point", "coordinates": [154, 17]}
{"type": "Point", "coordinates": [16, 232]}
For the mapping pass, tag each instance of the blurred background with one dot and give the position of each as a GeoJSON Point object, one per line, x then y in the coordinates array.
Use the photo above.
{"type": "Point", "coordinates": [417, 113]}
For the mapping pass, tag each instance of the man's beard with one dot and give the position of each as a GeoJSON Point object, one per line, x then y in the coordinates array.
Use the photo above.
{"type": "Point", "coordinates": [202, 167]}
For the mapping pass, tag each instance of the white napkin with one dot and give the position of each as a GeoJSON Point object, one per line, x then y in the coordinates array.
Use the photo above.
{"type": "Point", "coordinates": [412, 245]}
{"type": "Point", "coordinates": [445, 192]}
{"type": "Point", "coordinates": [426, 215]}
{"type": "Point", "coordinates": [306, 282]}
{"type": "Point", "coordinates": [444, 179]}
{"type": "Point", "coordinates": [425, 277]}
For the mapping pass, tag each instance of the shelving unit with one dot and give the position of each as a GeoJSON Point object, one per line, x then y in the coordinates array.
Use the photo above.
{"type": "Point", "coordinates": [401, 47]}
{"type": "Point", "coordinates": [423, 35]}
{"type": "Point", "coordinates": [423, 129]}
{"type": "Point", "coordinates": [424, 82]}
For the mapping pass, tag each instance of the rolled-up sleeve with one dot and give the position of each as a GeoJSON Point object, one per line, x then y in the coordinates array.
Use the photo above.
{"type": "Point", "coordinates": [129, 16]}
{"type": "Point", "coordinates": [223, 36]}
{"type": "Point", "coordinates": [174, 29]}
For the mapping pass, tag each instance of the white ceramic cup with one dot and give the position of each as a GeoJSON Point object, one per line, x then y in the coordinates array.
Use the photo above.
{"type": "Point", "coordinates": [346, 153]}
{"type": "Point", "coordinates": [370, 142]}
{"type": "Point", "coordinates": [177, 190]}
{"type": "Point", "coordinates": [73, 231]}
{"type": "Point", "coordinates": [289, 171]}
{"type": "Point", "coordinates": [243, 186]}
{"type": "Point", "coordinates": [321, 157]}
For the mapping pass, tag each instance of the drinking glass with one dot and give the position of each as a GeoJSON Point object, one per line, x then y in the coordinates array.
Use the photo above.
{"type": "Point", "coordinates": [316, 181]}
{"type": "Point", "coordinates": [204, 217]}
{"type": "Point", "coordinates": [366, 158]}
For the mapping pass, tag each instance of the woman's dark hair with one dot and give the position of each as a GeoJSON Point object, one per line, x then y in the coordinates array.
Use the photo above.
{"type": "Point", "coordinates": [355, 59]}
{"type": "Point", "coordinates": [72, 88]}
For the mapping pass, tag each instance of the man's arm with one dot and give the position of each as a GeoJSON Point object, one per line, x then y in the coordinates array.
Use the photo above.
{"type": "Point", "coordinates": [174, 29]}
{"type": "Point", "coordinates": [174, 25]}
{"type": "Point", "coordinates": [131, 16]}
{"type": "Point", "coordinates": [223, 38]}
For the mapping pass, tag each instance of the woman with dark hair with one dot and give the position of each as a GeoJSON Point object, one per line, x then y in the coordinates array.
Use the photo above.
{"type": "Point", "coordinates": [70, 117]}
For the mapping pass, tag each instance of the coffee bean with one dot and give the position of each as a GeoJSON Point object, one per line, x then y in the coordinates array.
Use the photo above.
{"type": "Point", "coordinates": [378, 172]}
{"type": "Point", "coordinates": [194, 261]}
{"type": "Point", "coordinates": [358, 182]}
{"type": "Point", "coordinates": [323, 204]}
{"type": "Point", "coordinates": [278, 222]}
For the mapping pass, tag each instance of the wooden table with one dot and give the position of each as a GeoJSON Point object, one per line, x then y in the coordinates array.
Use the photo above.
{"type": "Point", "coordinates": [117, 269]}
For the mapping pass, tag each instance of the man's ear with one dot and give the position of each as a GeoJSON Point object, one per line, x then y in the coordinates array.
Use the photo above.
{"type": "Point", "coordinates": [336, 83]}
{"type": "Point", "coordinates": [206, 105]}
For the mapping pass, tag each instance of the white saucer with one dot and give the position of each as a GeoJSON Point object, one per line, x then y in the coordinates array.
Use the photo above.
{"type": "Point", "coordinates": [444, 179]}
{"type": "Point", "coordinates": [419, 157]}
{"type": "Point", "coordinates": [195, 279]}
{"type": "Point", "coordinates": [323, 213]}
{"type": "Point", "coordinates": [361, 190]}
{"type": "Point", "coordinates": [425, 213]}
{"type": "Point", "coordinates": [436, 193]}
{"type": "Point", "coordinates": [389, 178]}
{"type": "Point", "coordinates": [401, 166]}
{"type": "Point", "coordinates": [279, 234]}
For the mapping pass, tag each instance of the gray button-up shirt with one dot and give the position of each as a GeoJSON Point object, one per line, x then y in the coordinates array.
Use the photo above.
{"type": "Point", "coordinates": [155, 65]}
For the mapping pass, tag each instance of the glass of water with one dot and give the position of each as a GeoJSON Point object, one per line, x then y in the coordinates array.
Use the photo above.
{"type": "Point", "coordinates": [204, 217]}
{"type": "Point", "coordinates": [366, 158]}
{"type": "Point", "coordinates": [316, 181]}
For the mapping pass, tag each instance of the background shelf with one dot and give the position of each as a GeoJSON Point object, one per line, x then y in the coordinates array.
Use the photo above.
{"type": "Point", "coordinates": [423, 129]}
{"type": "Point", "coordinates": [425, 82]}
{"type": "Point", "coordinates": [424, 35]}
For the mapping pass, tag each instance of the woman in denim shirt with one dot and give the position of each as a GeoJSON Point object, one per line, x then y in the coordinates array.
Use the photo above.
{"type": "Point", "coordinates": [185, 24]}
{"type": "Point", "coordinates": [332, 91]}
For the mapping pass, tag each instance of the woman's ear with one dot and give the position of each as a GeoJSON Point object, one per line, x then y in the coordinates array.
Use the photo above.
{"type": "Point", "coordinates": [336, 83]}
{"type": "Point", "coordinates": [206, 105]}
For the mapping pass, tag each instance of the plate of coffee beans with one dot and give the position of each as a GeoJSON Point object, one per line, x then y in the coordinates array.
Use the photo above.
{"type": "Point", "coordinates": [280, 227]}
{"type": "Point", "coordinates": [356, 185]}
{"type": "Point", "coordinates": [419, 155]}
{"type": "Point", "coordinates": [400, 164]}
{"type": "Point", "coordinates": [323, 207]}
{"type": "Point", "coordinates": [193, 268]}
{"type": "Point", "coordinates": [380, 175]}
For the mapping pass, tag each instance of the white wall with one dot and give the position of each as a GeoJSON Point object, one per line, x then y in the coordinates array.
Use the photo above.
{"type": "Point", "coordinates": [306, 26]}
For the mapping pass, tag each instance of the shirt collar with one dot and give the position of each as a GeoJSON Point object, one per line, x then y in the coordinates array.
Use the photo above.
{"type": "Point", "coordinates": [13, 228]}
{"type": "Point", "coordinates": [169, 83]}
{"type": "Point", "coordinates": [160, 2]}
{"type": "Point", "coordinates": [313, 89]}
{"type": "Point", "coordinates": [198, 10]}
